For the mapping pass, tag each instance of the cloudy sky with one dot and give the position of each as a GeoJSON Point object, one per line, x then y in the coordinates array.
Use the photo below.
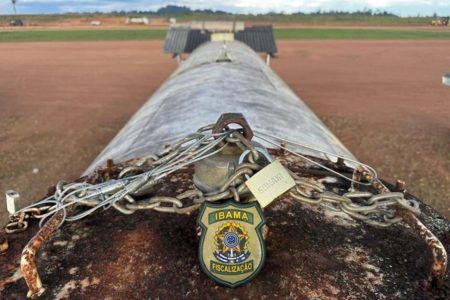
{"type": "Point", "coordinates": [400, 7]}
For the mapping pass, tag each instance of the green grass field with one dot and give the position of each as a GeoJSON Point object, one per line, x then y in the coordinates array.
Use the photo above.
{"type": "Point", "coordinates": [147, 34]}
{"type": "Point", "coordinates": [81, 35]}
{"type": "Point", "coordinates": [359, 34]}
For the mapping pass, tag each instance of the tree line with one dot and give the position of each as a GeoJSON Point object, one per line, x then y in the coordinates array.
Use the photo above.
{"type": "Point", "coordinates": [174, 10]}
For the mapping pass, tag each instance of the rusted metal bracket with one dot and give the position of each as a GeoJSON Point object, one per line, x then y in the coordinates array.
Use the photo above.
{"type": "Point", "coordinates": [3, 243]}
{"type": "Point", "coordinates": [27, 261]}
{"type": "Point", "coordinates": [438, 252]}
{"type": "Point", "coordinates": [233, 118]}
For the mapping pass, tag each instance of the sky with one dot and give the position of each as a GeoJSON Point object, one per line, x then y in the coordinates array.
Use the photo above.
{"type": "Point", "coordinates": [399, 7]}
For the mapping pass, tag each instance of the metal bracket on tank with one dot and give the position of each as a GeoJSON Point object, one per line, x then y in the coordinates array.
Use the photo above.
{"type": "Point", "coordinates": [212, 172]}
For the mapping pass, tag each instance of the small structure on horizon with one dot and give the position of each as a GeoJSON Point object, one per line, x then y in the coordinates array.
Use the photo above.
{"type": "Point", "coordinates": [96, 23]}
{"type": "Point", "coordinates": [137, 20]}
{"type": "Point", "coordinates": [217, 26]}
{"type": "Point", "coordinates": [446, 79]}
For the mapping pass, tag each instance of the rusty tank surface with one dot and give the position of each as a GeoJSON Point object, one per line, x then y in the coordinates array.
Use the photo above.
{"type": "Point", "coordinates": [127, 228]}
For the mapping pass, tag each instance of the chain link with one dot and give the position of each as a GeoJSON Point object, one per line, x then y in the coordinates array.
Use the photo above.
{"type": "Point", "coordinates": [19, 222]}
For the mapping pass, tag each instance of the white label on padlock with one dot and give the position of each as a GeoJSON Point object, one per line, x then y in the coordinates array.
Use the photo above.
{"type": "Point", "coordinates": [270, 182]}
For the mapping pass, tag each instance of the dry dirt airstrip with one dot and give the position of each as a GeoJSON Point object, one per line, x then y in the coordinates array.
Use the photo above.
{"type": "Point", "coordinates": [60, 104]}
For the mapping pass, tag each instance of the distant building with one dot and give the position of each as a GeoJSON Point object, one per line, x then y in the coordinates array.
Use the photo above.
{"type": "Point", "coordinates": [138, 20]}
{"type": "Point", "coordinates": [217, 26]}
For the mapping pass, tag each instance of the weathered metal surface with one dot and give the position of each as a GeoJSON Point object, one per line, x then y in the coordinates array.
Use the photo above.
{"type": "Point", "coordinates": [311, 253]}
{"type": "Point", "coordinates": [202, 89]}
{"type": "Point", "coordinates": [176, 39]}
{"type": "Point", "coordinates": [259, 38]}
{"type": "Point", "coordinates": [195, 39]}
{"type": "Point", "coordinates": [184, 40]}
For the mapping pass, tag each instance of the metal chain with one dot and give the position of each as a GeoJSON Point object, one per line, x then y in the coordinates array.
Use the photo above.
{"type": "Point", "coordinates": [139, 176]}
{"type": "Point", "coordinates": [377, 210]}
{"type": "Point", "coordinates": [117, 193]}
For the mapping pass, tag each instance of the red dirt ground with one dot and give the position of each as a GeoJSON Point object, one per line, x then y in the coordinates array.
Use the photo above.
{"type": "Point", "coordinates": [60, 104]}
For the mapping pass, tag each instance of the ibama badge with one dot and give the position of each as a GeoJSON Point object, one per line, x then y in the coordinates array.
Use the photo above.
{"type": "Point", "coordinates": [232, 250]}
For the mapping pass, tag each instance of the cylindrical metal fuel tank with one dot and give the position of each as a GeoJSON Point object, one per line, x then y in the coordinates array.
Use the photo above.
{"type": "Point", "coordinates": [218, 78]}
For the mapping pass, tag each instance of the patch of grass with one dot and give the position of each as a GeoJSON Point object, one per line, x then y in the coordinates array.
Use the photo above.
{"type": "Point", "coordinates": [358, 34]}
{"type": "Point", "coordinates": [159, 34]}
{"type": "Point", "coordinates": [82, 35]}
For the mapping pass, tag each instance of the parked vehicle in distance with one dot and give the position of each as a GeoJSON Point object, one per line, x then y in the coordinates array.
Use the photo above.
{"type": "Point", "coordinates": [16, 22]}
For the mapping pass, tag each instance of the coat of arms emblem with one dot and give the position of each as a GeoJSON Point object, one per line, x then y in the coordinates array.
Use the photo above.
{"type": "Point", "coordinates": [232, 250]}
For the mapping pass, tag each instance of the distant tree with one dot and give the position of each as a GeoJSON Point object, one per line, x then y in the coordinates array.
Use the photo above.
{"type": "Point", "coordinates": [173, 10]}
{"type": "Point", "coordinates": [13, 2]}
{"type": "Point", "coordinates": [221, 12]}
